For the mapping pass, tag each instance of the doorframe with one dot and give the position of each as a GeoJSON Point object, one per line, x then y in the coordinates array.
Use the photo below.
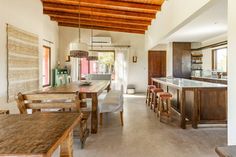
{"type": "Point", "coordinates": [50, 62]}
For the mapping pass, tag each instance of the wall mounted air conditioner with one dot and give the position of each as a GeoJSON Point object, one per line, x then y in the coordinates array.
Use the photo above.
{"type": "Point", "coordinates": [101, 40]}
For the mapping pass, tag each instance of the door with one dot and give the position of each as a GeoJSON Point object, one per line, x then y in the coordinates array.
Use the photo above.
{"type": "Point", "coordinates": [156, 64]}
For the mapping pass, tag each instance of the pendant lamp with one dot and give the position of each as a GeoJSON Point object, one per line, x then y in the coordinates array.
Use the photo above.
{"type": "Point", "coordinates": [93, 56]}
{"type": "Point", "coordinates": [79, 49]}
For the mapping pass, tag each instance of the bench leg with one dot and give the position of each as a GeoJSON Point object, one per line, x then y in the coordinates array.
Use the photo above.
{"type": "Point", "coordinates": [121, 118]}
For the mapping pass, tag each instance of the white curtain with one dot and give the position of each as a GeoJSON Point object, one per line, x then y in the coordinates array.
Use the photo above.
{"type": "Point", "coordinates": [74, 69]}
{"type": "Point", "coordinates": [121, 68]}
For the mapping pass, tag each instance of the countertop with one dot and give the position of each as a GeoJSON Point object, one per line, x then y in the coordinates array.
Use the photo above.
{"type": "Point", "coordinates": [187, 83]}
{"type": "Point", "coordinates": [210, 78]}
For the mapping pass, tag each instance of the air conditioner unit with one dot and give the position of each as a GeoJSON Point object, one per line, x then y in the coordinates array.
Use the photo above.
{"type": "Point", "coordinates": [101, 40]}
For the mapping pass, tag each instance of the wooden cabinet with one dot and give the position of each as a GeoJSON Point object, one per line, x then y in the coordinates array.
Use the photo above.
{"type": "Point", "coordinates": [182, 59]}
{"type": "Point", "coordinates": [210, 80]}
{"type": "Point", "coordinates": [156, 64]}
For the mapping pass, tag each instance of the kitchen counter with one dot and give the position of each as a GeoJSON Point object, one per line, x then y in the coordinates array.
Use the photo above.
{"type": "Point", "coordinates": [197, 102]}
{"type": "Point", "coordinates": [210, 79]}
{"type": "Point", "coordinates": [186, 83]}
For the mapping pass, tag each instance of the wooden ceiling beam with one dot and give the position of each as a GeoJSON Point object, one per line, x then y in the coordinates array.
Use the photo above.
{"type": "Point", "coordinates": [110, 4]}
{"type": "Point", "coordinates": [96, 11]}
{"type": "Point", "coordinates": [102, 28]}
{"type": "Point", "coordinates": [155, 2]}
{"type": "Point", "coordinates": [102, 24]}
{"type": "Point", "coordinates": [111, 20]}
{"type": "Point", "coordinates": [56, 14]}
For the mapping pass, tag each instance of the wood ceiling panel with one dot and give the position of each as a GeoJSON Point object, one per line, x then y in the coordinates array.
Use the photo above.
{"type": "Point", "coordinates": [133, 16]}
{"type": "Point", "coordinates": [109, 4]}
{"type": "Point", "coordinates": [99, 23]}
{"type": "Point", "coordinates": [55, 15]}
{"type": "Point", "coordinates": [103, 24]}
{"type": "Point", "coordinates": [96, 11]}
{"type": "Point", "coordinates": [102, 28]}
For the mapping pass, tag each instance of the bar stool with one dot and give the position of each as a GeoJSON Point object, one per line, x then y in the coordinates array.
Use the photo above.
{"type": "Point", "coordinates": [164, 105]}
{"type": "Point", "coordinates": [154, 102]}
{"type": "Point", "coordinates": [148, 96]}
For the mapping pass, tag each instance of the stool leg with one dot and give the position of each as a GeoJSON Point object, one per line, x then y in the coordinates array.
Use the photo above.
{"type": "Point", "coordinates": [161, 108]}
{"type": "Point", "coordinates": [169, 108]}
{"type": "Point", "coordinates": [152, 97]}
{"type": "Point", "coordinates": [155, 104]}
{"type": "Point", "coordinates": [147, 97]}
{"type": "Point", "coordinates": [158, 107]}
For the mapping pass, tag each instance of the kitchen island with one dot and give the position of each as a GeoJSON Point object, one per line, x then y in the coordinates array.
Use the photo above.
{"type": "Point", "coordinates": [197, 102]}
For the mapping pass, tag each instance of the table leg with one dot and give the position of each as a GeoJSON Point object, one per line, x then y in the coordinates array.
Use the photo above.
{"type": "Point", "coordinates": [108, 88]}
{"type": "Point", "coordinates": [94, 118]}
{"type": "Point", "coordinates": [66, 149]}
{"type": "Point", "coordinates": [182, 109]}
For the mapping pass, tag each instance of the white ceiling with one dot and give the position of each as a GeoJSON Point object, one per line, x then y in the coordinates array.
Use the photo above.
{"type": "Point", "coordinates": [208, 24]}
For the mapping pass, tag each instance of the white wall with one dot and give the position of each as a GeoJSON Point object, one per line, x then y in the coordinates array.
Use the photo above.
{"type": "Point", "coordinates": [137, 71]}
{"type": "Point", "coordinates": [207, 53]}
{"type": "Point", "coordinates": [231, 72]}
{"type": "Point", "coordinates": [172, 17]}
{"type": "Point", "coordinates": [27, 15]}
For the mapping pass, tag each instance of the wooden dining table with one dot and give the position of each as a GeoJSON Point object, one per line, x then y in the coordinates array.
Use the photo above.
{"type": "Point", "coordinates": [38, 134]}
{"type": "Point", "coordinates": [91, 91]}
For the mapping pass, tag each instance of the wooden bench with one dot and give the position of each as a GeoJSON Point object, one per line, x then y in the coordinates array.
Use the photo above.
{"type": "Point", "coordinates": [41, 102]}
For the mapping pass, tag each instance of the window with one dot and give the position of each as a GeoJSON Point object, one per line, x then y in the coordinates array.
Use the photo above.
{"type": "Point", "coordinates": [46, 66]}
{"type": "Point", "coordinates": [104, 65]}
{"type": "Point", "coordinates": [219, 60]}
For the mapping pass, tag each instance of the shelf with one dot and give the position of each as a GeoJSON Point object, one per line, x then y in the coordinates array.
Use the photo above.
{"type": "Point", "coordinates": [197, 69]}
{"type": "Point", "coordinates": [197, 56]}
{"type": "Point", "coordinates": [198, 63]}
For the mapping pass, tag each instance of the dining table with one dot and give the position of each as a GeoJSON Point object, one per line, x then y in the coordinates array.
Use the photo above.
{"type": "Point", "coordinates": [92, 90]}
{"type": "Point", "coordinates": [38, 135]}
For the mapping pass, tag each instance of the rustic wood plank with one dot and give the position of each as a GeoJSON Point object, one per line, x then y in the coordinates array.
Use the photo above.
{"type": "Point", "coordinates": [110, 4]}
{"type": "Point", "coordinates": [37, 134]}
{"type": "Point", "coordinates": [96, 11]}
{"type": "Point", "coordinates": [108, 24]}
{"type": "Point", "coordinates": [58, 14]}
{"type": "Point", "coordinates": [102, 28]}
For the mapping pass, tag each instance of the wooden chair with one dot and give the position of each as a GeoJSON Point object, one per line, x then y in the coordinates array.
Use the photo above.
{"type": "Point", "coordinates": [57, 102]}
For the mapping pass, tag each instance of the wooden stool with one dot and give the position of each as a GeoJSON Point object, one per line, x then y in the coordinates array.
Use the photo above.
{"type": "Point", "coordinates": [154, 97]}
{"type": "Point", "coordinates": [148, 96]}
{"type": "Point", "coordinates": [164, 105]}
{"type": "Point", "coordinates": [4, 111]}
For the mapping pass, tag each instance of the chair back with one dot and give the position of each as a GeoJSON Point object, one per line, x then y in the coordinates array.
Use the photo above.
{"type": "Point", "coordinates": [47, 101]}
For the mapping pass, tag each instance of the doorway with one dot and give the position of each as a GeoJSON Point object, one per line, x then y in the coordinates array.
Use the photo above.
{"type": "Point", "coordinates": [46, 71]}
{"type": "Point", "coordinates": [156, 64]}
{"type": "Point", "coordinates": [104, 65]}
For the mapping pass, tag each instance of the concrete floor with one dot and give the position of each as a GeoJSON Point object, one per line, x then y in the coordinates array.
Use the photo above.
{"type": "Point", "coordinates": [144, 136]}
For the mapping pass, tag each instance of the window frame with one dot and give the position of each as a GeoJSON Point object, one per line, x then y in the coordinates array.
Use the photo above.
{"type": "Point", "coordinates": [214, 59]}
